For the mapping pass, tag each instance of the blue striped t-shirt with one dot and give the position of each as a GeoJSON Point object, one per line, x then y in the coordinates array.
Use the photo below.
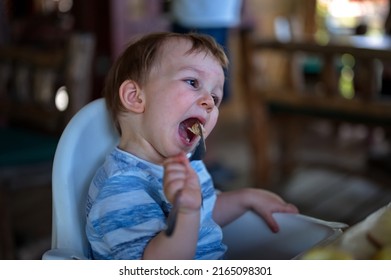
{"type": "Point", "coordinates": [126, 208]}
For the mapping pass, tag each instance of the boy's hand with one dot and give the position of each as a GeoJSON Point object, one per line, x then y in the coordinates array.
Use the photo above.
{"type": "Point", "coordinates": [266, 203]}
{"type": "Point", "coordinates": [230, 205]}
{"type": "Point", "coordinates": [179, 176]}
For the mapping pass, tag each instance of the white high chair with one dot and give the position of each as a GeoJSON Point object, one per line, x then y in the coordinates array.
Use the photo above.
{"type": "Point", "coordinates": [90, 135]}
{"type": "Point", "coordinates": [87, 138]}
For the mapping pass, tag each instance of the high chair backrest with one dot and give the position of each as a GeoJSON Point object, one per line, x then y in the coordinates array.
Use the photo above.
{"type": "Point", "coordinates": [86, 140]}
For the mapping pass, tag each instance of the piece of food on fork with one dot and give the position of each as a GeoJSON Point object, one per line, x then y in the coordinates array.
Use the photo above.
{"type": "Point", "coordinates": [196, 129]}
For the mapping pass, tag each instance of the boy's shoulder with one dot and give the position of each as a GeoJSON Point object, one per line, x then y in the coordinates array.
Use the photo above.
{"type": "Point", "coordinates": [124, 159]}
{"type": "Point", "coordinates": [120, 170]}
{"type": "Point", "coordinates": [120, 162]}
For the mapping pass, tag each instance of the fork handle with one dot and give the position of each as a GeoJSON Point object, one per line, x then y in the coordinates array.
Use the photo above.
{"type": "Point", "coordinates": [172, 217]}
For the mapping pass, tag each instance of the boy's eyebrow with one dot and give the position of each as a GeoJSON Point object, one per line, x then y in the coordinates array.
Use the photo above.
{"type": "Point", "coordinates": [191, 68]}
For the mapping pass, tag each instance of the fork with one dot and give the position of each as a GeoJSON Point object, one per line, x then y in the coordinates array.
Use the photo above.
{"type": "Point", "coordinates": [197, 154]}
{"type": "Point", "coordinates": [200, 150]}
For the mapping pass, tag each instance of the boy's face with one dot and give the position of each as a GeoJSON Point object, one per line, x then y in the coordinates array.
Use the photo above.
{"type": "Point", "coordinates": [180, 90]}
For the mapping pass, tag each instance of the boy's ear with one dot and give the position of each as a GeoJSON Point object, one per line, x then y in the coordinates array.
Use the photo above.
{"type": "Point", "coordinates": [131, 96]}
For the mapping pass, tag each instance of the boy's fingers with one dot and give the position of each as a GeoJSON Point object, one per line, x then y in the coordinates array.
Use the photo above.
{"type": "Point", "coordinates": [178, 158]}
{"type": "Point", "coordinates": [174, 171]}
{"type": "Point", "coordinates": [271, 222]}
{"type": "Point", "coordinates": [174, 176]}
{"type": "Point", "coordinates": [175, 163]}
{"type": "Point", "coordinates": [177, 172]}
{"type": "Point", "coordinates": [174, 166]}
{"type": "Point", "coordinates": [176, 186]}
{"type": "Point", "coordinates": [288, 208]}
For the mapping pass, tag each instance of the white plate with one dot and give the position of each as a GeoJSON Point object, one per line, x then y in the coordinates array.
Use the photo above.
{"type": "Point", "coordinates": [250, 238]}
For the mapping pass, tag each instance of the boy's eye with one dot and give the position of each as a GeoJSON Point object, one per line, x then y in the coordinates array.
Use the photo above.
{"type": "Point", "coordinates": [216, 100]}
{"type": "Point", "coordinates": [192, 82]}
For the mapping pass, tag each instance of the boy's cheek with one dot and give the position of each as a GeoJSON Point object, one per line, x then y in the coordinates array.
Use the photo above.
{"type": "Point", "coordinates": [210, 126]}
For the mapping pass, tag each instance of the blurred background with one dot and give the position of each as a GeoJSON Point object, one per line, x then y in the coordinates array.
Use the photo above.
{"type": "Point", "coordinates": [54, 55]}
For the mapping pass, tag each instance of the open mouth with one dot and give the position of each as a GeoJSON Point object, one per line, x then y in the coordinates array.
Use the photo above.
{"type": "Point", "coordinates": [188, 130]}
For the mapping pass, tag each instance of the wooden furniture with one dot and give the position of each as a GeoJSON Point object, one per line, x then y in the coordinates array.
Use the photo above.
{"type": "Point", "coordinates": [292, 101]}
{"type": "Point", "coordinates": [31, 120]}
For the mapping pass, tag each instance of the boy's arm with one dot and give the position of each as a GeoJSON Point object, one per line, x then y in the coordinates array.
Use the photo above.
{"type": "Point", "coordinates": [231, 205]}
{"type": "Point", "coordinates": [179, 177]}
{"type": "Point", "coordinates": [181, 244]}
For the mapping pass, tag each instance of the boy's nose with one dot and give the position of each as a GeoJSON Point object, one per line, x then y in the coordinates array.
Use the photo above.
{"type": "Point", "coordinates": [207, 102]}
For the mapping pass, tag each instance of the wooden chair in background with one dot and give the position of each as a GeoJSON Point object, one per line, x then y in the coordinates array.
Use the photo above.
{"type": "Point", "coordinates": [285, 108]}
